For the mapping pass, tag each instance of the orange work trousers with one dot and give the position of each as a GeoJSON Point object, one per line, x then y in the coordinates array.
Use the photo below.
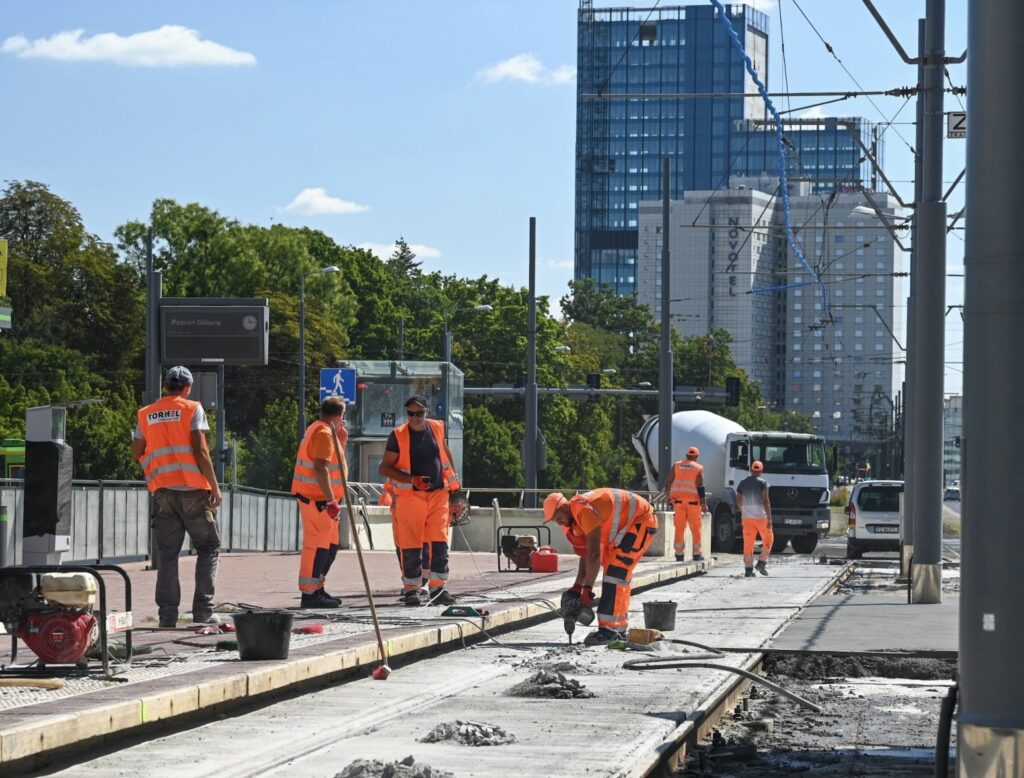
{"type": "Point", "coordinates": [618, 563]}
{"type": "Point", "coordinates": [687, 514]}
{"type": "Point", "coordinates": [420, 524]}
{"type": "Point", "coordinates": [319, 546]}
{"type": "Point", "coordinates": [751, 529]}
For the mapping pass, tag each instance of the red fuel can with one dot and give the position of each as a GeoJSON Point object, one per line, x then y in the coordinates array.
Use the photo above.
{"type": "Point", "coordinates": [544, 560]}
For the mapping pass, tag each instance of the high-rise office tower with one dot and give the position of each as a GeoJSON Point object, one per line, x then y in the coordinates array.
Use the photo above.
{"type": "Point", "coordinates": [636, 67]}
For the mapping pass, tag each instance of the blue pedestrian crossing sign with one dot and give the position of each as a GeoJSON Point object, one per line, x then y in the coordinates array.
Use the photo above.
{"type": "Point", "coordinates": [338, 382]}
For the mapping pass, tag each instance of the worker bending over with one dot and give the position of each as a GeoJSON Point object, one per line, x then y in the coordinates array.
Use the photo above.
{"type": "Point", "coordinates": [756, 511]}
{"type": "Point", "coordinates": [609, 528]}
{"type": "Point", "coordinates": [685, 488]}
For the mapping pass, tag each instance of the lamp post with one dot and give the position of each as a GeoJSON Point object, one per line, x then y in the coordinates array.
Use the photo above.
{"type": "Point", "coordinates": [302, 343]}
{"type": "Point", "coordinates": [447, 358]}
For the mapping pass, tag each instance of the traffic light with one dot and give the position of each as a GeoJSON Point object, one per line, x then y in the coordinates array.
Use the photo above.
{"type": "Point", "coordinates": [593, 382]}
{"type": "Point", "coordinates": [732, 390]}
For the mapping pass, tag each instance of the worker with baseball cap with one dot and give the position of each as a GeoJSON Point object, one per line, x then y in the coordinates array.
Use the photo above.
{"type": "Point", "coordinates": [610, 529]}
{"type": "Point", "coordinates": [685, 488]}
{"type": "Point", "coordinates": [756, 511]}
{"type": "Point", "coordinates": [169, 442]}
{"type": "Point", "coordinates": [419, 465]}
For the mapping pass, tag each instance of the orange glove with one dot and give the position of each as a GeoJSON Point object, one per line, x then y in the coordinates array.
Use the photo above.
{"type": "Point", "coordinates": [333, 509]}
{"type": "Point", "coordinates": [587, 596]}
{"type": "Point", "coordinates": [421, 483]}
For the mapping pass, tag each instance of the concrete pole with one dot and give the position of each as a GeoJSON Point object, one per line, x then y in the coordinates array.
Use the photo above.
{"type": "Point", "coordinates": [222, 415]}
{"type": "Point", "coordinates": [926, 573]}
{"type": "Point", "coordinates": [911, 398]}
{"type": "Point", "coordinates": [530, 440]}
{"type": "Point", "coordinates": [991, 719]}
{"type": "Point", "coordinates": [302, 356]}
{"type": "Point", "coordinates": [665, 380]}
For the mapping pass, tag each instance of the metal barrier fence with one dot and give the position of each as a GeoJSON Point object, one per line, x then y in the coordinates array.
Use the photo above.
{"type": "Point", "coordinates": [110, 519]}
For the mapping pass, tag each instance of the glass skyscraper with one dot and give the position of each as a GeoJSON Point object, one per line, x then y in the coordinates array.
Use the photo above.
{"type": "Point", "coordinates": [626, 57]}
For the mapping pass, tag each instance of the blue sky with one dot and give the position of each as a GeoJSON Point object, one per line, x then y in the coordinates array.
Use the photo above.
{"type": "Point", "coordinates": [448, 122]}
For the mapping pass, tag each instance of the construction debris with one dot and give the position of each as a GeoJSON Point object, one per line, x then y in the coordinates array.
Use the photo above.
{"type": "Point", "coordinates": [469, 733]}
{"type": "Point", "coordinates": [819, 667]}
{"type": "Point", "coordinates": [550, 684]}
{"type": "Point", "coordinates": [406, 768]}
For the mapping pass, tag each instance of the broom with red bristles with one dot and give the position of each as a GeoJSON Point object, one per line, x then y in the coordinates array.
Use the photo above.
{"type": "Point", "coordinates": [380, 673]}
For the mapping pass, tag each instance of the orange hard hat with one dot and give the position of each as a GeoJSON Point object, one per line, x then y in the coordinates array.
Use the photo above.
{"type": "Point", "coordinates": [693, 451]}
{"type": "Point", "coordinates": [757, 467]}
{"type": "Point", "coordinates": [552, 503]}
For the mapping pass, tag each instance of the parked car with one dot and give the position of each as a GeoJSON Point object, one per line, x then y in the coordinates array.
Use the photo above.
{"type": "Point", "coordinates": [952, 493]}
{"type": "Point", "coordinates": [873, 522]}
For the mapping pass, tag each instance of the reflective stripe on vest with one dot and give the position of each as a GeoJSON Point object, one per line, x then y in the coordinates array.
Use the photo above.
{"type": "Point", "coordinates": [169, 461]}
{"type": "Point", "coordinates": [626, 510]}
{"type": "Point", "coordinates": [404, 462]}
{"type": "Point", "coordinates": [684, 480]}
{"type": "Point", "coordinates": [304, 480]}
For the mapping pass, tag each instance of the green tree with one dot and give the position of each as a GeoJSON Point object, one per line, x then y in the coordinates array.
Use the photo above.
{"type": "Point", "coordinates": [268, 457]}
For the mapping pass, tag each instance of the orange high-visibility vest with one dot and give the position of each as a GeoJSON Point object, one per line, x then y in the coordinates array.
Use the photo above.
{"type": "Point", "coordinates": [304, 476]}
{"type": "Point", "coordinates": [684, 481]}
{"type": "Point", "coordinates": [448, 477]}
{"type": "Point", "coordinates": [169, 461]}
{"type": "Point", "coordinates": [618, 512]}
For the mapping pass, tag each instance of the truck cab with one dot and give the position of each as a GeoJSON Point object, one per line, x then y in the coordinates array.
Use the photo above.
{"type": "Point", "coordinates": [794, 467]}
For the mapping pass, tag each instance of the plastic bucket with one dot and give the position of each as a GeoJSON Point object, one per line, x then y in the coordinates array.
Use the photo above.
{"type": "Point", "coordinates": [660, 615]}
{"type": "Point", "coordinates": [263, 634]}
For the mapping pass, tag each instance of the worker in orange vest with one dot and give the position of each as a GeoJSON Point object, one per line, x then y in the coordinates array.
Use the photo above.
{"type": "Point", "coordinates": [317, 485]}
{"type": "Point", "coordinates": [170, 443]}
{"type": "Point", "coordinates": [685, 488]}
{"type": "Point", "coordinates": [419, 465]}
{"type": "Point", "coordinates": [610, 529]}
{"type": "Point", "coordinates": [754, 505]}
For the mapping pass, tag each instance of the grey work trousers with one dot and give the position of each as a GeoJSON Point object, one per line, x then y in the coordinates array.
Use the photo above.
{"type": "Point", "coordinates": [174, 514]}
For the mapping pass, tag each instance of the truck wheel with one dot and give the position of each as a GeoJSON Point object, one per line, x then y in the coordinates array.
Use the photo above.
{"type": "Point", "coordinates": [723, 537]}
{"type": "Point", "coordinates": [805, 544]}
{"type": "Point", "coordinates": [779, 544]}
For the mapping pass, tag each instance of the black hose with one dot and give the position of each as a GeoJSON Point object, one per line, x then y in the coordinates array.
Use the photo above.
{"type": "Point", "coordinates": [945, 726]}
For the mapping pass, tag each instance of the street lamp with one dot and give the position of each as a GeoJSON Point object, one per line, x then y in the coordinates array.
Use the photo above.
{"type": "Point", "coordinates": [302, 343]}
{"type": "Point", "coordinates": [447, 358]}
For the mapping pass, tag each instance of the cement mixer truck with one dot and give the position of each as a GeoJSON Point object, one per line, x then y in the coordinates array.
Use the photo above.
{"type": "Point", "coordinates": [794, 467]}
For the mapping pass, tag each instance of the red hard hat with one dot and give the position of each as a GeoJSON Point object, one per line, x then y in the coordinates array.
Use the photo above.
{"type": "Point", "coordinates": [693, 451]}
{"type": "Point", "coordinates": [757, 467]}
{"type": "Point", "coordinates": [552, 503]}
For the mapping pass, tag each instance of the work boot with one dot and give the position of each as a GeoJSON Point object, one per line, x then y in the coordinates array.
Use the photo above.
{"type": "Point", "coordinates": [698, 557]}
{"type": "Point", "coordinates": [602, 637]}
{"type": "Point", "coordinates": [201, 617]}
{"type": "Point", "coordinates": [414, 598]}
{"type": "Point", "coordinates": [680, 557]}
{"type": "Point", "coordinates": [441, 597]}
{"type": "Point", "coordinates": [318, 599]}
{"type": "Point", "coordinates": [761, 567]}
{"type": "Point", "coordinates": [749, 573]}
{"type": "Point", "coordinates": [330, 595]}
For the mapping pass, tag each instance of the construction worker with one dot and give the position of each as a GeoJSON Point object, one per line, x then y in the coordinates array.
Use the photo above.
{"type": "Point", "coordinates": [317, 485]}
{"type": "Point", "coordinates": [419, 464]}
{"type": "Point", "coordinates": [170, 443]}
{"type": "Point", "coordinates": [685, 488]}
{"type": "Point", "coordinates": [756, 511]}
{"type": "Point", "coordinates": [610, 529]}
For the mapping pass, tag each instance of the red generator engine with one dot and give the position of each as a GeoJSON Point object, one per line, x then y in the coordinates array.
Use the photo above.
{"type": "Point", "coordinates": [51, 612]}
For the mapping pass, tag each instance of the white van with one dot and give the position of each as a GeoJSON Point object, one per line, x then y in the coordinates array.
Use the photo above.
{"type": "Point", "coordinates": [873, 518]}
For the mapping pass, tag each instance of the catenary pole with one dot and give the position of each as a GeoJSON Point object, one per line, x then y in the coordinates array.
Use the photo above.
{"type": "Point", "coordinates": [665, 381]}
{"type": "Point", "coordinates": [991, 719]}
{"type": "Point", "coordinates": [530, 438]}
{"type": "Point", "coordinates": [930, 314]}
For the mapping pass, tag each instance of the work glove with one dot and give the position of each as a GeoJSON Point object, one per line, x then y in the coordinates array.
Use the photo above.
{"type": "Point", "coordinates": [421, 483]}
{"type": "Point", "coordinates": [576, 590]}
{"type": "Point", "coordinates": [587, 597]}
{"type": "Point", "coordinates": [333, 509]}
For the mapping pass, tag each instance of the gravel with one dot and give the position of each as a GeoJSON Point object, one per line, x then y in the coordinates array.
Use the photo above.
{"type": "Point", "coordinates": [469, 733]}
{"type": "Point", "coordinates": [550, 684]}
{"type": "Point", "coordinates": [405, 768]}
{"type": "Point", "coordinates": [819, 667]}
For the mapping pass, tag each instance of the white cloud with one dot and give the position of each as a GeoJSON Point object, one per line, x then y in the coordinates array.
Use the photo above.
{"type": "Point", "coordinates": [314, 201]}
{"type": "Point", "coordinates": [526, 67]}
{"type": "Point", "coordinates": [385, 250]}
{"type": "Point", "coordinates": [814, 113]}
{"type": "Point", "coordinates": [169, 46]}
{"type": "Point", "coordinates": [762, 5]}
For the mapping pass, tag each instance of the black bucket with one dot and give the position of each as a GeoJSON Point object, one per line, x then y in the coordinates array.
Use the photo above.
{"type": "Point", "coordinates": [263, 634]}
{"type": "Point", "coordinates": [660, 615]}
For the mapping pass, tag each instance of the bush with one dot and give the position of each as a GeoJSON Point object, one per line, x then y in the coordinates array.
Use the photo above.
{"type": "Point", "coordinates": [840, 497]}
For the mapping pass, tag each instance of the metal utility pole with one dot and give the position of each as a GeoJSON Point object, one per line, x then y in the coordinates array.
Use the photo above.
{"type": "Point", "coordinates": [530, 439]}
{"type": "Point", "coordinates": [222, 423]}
{"type": "Point", "coordinates": [154, 292]}
{"type": "Point", "coordinates": [991, 719]}
{"type": "Point", "coordinates": [930, 318]}
{"type": "Point", "coordinates": [665, 379]}
{"type": "Point", "coordinates": [912, 395]}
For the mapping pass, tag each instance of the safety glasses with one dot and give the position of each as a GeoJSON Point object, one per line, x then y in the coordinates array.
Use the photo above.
{"type": "Point", "coordinates": [415, 413]}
